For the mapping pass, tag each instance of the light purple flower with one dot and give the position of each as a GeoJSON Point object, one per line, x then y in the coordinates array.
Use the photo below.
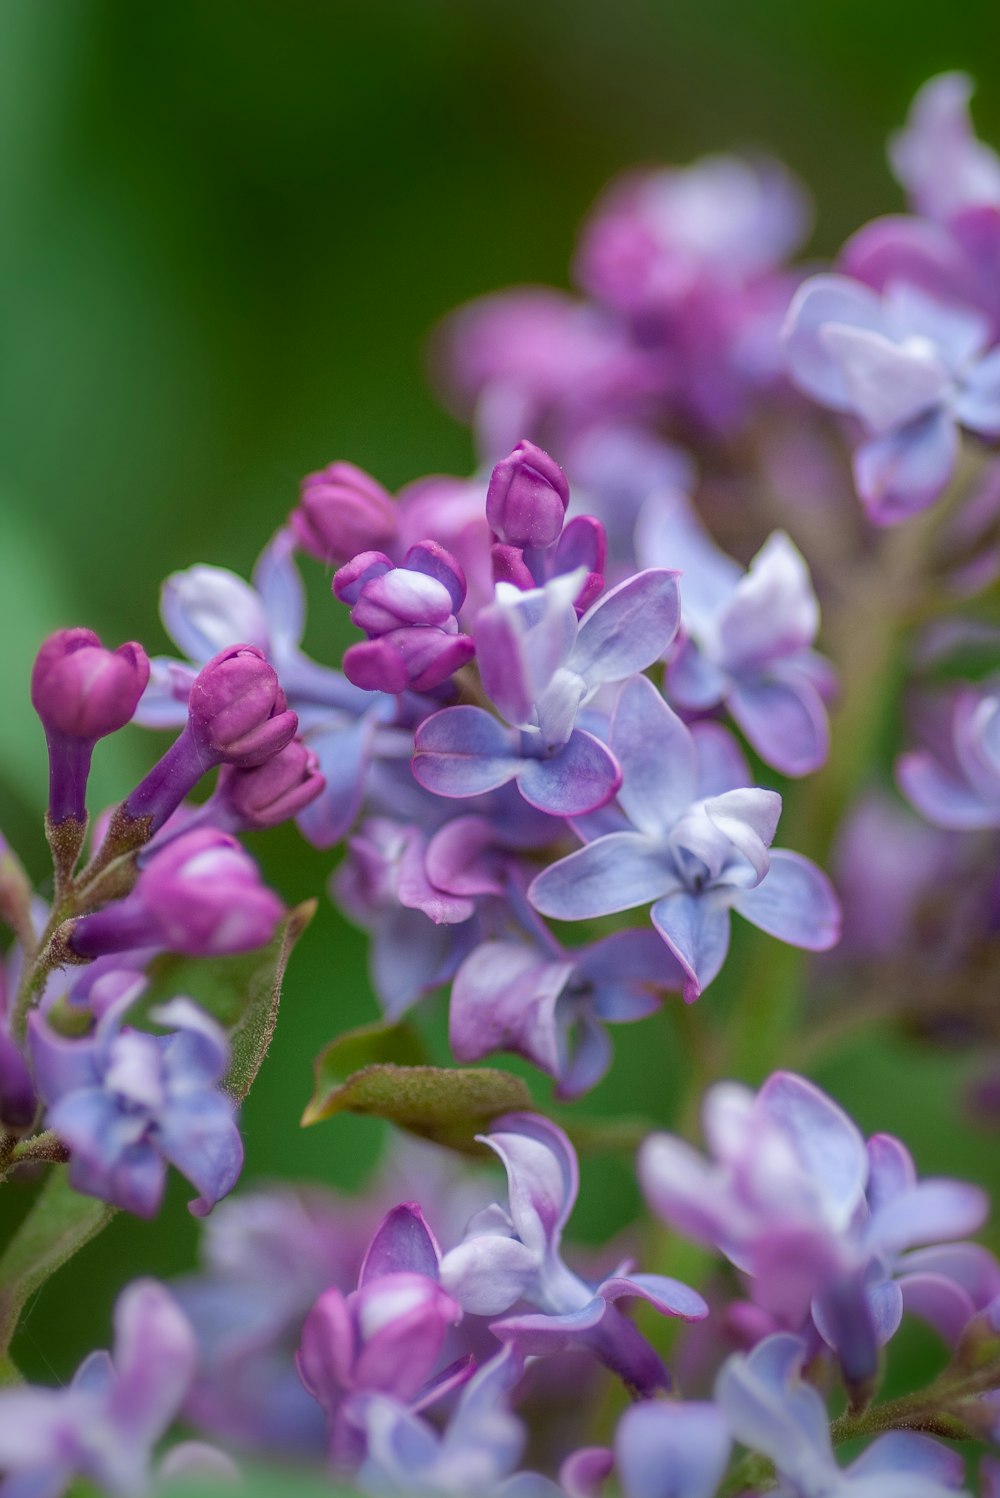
{"type": "Point", "coordinates": [748, 636]}
{"type": "Point", "coordinates": [409, 614]}
{"type": "Point", "coordinates": [207, 608]}
{"type": "Point", "coordinates": [692, 859]}
{"type": "Point", "coordinates": [104, 1425]}
{"type": "Point", "coordinates": [81, 691]}
{"type": "Point", "coordinates": [772, 1410]}
{"type": "Point", "coordinates": [200, 893]}
{"type": "Point", "coordinates": [386, 1336]}
{"type": "Point", "coordinates": [550, 1004]}
{"type": "Point", "coordinates": [818, 1221]}
{"type": "Point", "coordinates": [127, 1103]}
{"type": "Point", "coordinates": [911, 368]}
{"type": "Point", "coordinates": [513, 1254]}
{"type": "Point", "coordinates": [476, 1452]}
{"type": "Point", "coordinates": [662, 1450]}
{"type": "Point", "coordinates": [964, 790]}
{"type": "Point", "coordinates": [937, 158]}
{"type": "Point", "coordinates": [541, 666]}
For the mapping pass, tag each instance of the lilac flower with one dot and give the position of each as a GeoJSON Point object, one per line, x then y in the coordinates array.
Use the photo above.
{"type": "Point", "coordinates": [409, 615]}
{"type": "Point", "coordinates": [549, 1004]}
{"type": "Point", "coordinates": [510, 1255]}
{"type": "Point", "coordinates": [386, 1336]}
{"type": "Point", "coordinates": [772, 1410]}
{"type": "Point", "coordinates": [819, 1222]}
{"type": "Point", "coordinates": [200, 893]}
{"type": "Point", "coordinates": [104, 1425]}
{"type": "Point", "coordinates": [268, 794]}
{"type": "Point", "coordinates": [911, 368]}
{"type": "Point", "coordinates": [342, 511]}
{"type": "Point", "coordinates": [662, 1450]}
{"type": "Point", "coordinates": [748, 636]}
{"type": "Point", "coordinates": [207, 608]}
{"type": "Point", "coordinates": [937, 157]}
{"type": "Point", "coordinates": [694, 859]}
{"type": "Point", "coordinates": [126, 1104]}
{"type": "Point", "coordinates": [407, 1458]}
{"type": "Point", "coordinates": [540, 666]}
{"type": "Point", "coordinates": [82, 692]}
{"type": "Point", "coordinates": [963, 791]}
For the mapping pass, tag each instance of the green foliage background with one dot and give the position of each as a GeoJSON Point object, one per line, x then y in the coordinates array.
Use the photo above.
{"type": "Point", "coordinates": [226, 227]}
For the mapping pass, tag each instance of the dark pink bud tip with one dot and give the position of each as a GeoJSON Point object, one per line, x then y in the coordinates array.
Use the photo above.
{"type": "Point", "coordinates": [527, 498]}
{"type": "Point", "coordinates": [265, 795]}
{"type": "Point", "coordinates": [342, 510]}
{"type": "Point", "coordinates": [81, 690]}
{"type": "Point", "coordinates": [237, 710]}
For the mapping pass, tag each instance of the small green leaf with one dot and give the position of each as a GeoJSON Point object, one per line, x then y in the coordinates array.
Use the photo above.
{"type": "Point", "coordinates": [449, 1105]}
{"type": "Point", "coordinates": [242, 993]}
{"type": "Point", "coordinates": [365, 1046]}
{"type": "Point", "coordinates": [60, 1222]}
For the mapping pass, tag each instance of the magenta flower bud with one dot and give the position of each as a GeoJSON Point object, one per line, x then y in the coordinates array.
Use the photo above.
{"type": "Point", "coordinates": [527, 498]}
{"type": "Point", "coordinates": [81, 692]}
{"type": "Point", "coordinates": [341, 511]}
{"type": "Point", "coordinates": [265, 795]}
{"type": "Point", "coordinates": [407, 659]}
{"type": "Point", "coordinates": [201, 895]}
{"type": "Point", "coordinates": [237, 710]}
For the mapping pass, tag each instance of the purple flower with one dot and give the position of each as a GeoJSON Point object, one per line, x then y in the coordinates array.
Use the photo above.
{"type": "Point", "coordinates": [963, 791]}
{"type": "Point", "coordinates": [268, 794]}
{"type": "Point", "coordinates": [549, 1004]}
{"type": "Point", "coordinates": [82, 692]}
{"type": "Point", "coordinates": [200, 893]}
{"type": "Point", "coordinates": [127, 1103]}
{"type": "Point", "coordinates": [772, 1410]}
{"type": "Point", "coordinates": [409, 615]}
{"type": "Point", "coordinates": [937, 158]}
{"type": "Point", "coordinates": [748, 636]}
{"type": "Point", "coordinates": [342, 510]}
{"type": "Point", "coordinates": [480, 1445]}
{"type": "Point", "coordinates": [541, 666]}
{"type": "Point", "coordinates": [527, 498]}
{"type": "Point", "coordinates": [386, 1336]}
{"type": "Point", "coordinates": [819, 1222]}
{"type": "Point", "coordinates": [693, 859]}
{"type": "Point", "coordinates": [662, 1450]}
{"type": "Point", "coordinates": [104, 1425]}
{"type": "Point", "coordinates": [513, 1254]}
{"type": "Point", "coordinates": [911, 368]}
{"type": "Point", "coordinates": [207, 608]}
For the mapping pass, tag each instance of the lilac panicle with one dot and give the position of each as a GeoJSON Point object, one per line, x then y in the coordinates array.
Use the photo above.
{"type": "Point", "coordinates": [341, 511]}
{"type": "Point", "coordinates": [772, 1410]}
{"type": "Point", "coordinates": [200, 894]}
{"type": "Point", "coordinates": [911, 368]}
{"type": "Point", "coordinates": [103, 1427]}
{"type": "Point", "coordinates": [822, 1224]}
{"type": "Point", "coordinates": [126, 1104]}
{"type": "Point", "coordinates": [513, 1254]}
{"type": "Point", "coordinates": [386, 1336]}
{"type": "Point", "coordinates": [692, 859]}
{"type": "Point", "coordinates": [409, 615]}
{"type": "Point", "coordinates": [82, 692]}
{"type": "Point", "coordinates": [541, 666]}
{"type": "Point", "coordinates": [237, 714]}
{"type": "Point", "coordinates": [747, 636]}
{"type": "Point", "coordinates": [963, 792]}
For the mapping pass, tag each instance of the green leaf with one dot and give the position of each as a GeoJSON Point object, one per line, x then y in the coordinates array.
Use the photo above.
{"type": "Point", "coordinates": [449, 1105]}
{"type": "Point", "coordinates": [243, 993]}
{"type": "Point", "coordinates": [365, 1046]}
{"type": "Point", "coordinates": [60, 1222]}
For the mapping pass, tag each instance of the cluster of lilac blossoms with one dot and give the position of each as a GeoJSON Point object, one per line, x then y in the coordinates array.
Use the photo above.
{"type": "Point", "coordinates": [590, 687]}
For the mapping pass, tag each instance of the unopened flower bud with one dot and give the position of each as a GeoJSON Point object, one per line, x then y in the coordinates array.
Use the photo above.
{"type": "Point", "coordinates": [265, 795]}
{"type": "Point", "coordinates": [82, 692]}
{"type": "Point", "coordinates": [342, 511]}
{"type": "Point", "coordinates": [527, 498]}
{"type": "Point", "coordinates": [407, 659]}
{"type": "Point", "coordinates": [409, 615]}
{"type": "Point", "coordinates": [201, 895]}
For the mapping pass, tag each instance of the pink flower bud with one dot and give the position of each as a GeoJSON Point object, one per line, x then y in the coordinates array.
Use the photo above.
{"type": "Point", "coordinates": [342, 510]}
{"type": "Point", "coordinates": [82, 690]}
{"type": "Point", "coordinates": [265, 795]}
{"type": "Point", "coordinates": [237, 710]}
{"type": "Point", "coordinates": [527, 498]}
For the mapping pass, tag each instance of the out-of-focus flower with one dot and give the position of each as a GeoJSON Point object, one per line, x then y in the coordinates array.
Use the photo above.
{"type": "Point", "coordinates": [964, 790]}
{"type": "Point", "coordinates": [341, 511]}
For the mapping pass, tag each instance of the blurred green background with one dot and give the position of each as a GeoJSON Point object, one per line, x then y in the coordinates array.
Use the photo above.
{"type": "Point", "coordinates": [227, 227]}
